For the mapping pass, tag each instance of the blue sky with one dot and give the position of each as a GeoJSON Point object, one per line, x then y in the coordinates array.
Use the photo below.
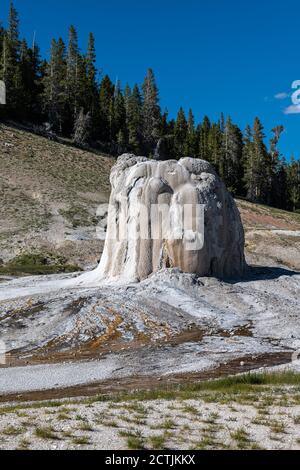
{"type": "Point", "coordinates": [213, 56]}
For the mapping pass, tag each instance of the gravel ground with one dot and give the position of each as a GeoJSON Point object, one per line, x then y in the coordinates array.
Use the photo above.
{"type": "Point", "coordinates": [267, 420]}
{"type": "Point", "coordinates": [50, 376]}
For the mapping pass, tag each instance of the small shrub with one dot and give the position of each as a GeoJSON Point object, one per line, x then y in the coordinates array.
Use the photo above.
{"type": "Point", "coordinates": [297, 419]}
{"type": "Point", "coordinates": [85, 427]}
{"type": "Point", "coordinates": [135, 443]}
{"type": "Point", "coordinates": [158, 442]}
{"type": "Point", "coordinates": [81, 441]}
{"type": "Point", "coordinates": [12, 431]}
{"type": "Point", "coordinates": [277, 428]}
{"type": "Point", "coordinates": [240, 435]}
{"type": "Point", "coordinates": [168, 424]}
{"type": "Point", "coordinates": [46, 433]}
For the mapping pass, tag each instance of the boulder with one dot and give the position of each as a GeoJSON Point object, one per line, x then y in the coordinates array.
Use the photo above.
{"type": "Point", "coordinates": [170, 214]}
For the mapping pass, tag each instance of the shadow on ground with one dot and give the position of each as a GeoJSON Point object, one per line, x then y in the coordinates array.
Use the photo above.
{"type": "Point", "coordinates": [263, 273]}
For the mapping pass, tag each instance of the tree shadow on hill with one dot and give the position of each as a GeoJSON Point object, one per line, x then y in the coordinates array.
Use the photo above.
{"type": "Point", "coordinates": [263, 273]}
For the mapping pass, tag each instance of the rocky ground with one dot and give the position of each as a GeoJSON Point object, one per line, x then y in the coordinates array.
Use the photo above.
{"type": "Point", "coordinates": [168, 325]}
{"type": "Point", "coordinates": [226, 416]}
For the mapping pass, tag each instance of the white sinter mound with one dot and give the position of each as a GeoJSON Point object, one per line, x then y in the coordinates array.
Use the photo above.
{"type": "Point", "coordinates": [199, 230]}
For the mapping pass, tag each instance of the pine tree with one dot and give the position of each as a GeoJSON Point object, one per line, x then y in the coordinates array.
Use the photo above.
{"type": "Point", "coordinates": [127, 94]}
{"type": "Point", "coordinates": [164, 124]}
{"type": "Point", "coordinates": [203, 139]}
{"type": "Point", "coordinates": [190, 149]}
{"type": "Point", "coordinates": [151, 112]}
{"type": "Point", "coordinates": [257, 166]}
{"type": "Point", "coordinates": [74, 78]}
{"type": "Point", "coordinates": [2, 34]}
{"type": "Point", "coordinates": [31, 79]}
{"type": "Point", "coordinates": [222, 123]}
{"type": "Point", "coordinates": [135, 120]}
{"type": "Point", "coordinates": [215, 140]}
{"type": "Point", "coordinates": [264, 163]}
{"type": "Point", "coordinates": [10, 64]}
{"type": "Point", "coordinates": [55, 96]}
{"type": "Point", "coordinates": [13, 26]}
{"type": "Point", "coordinates": [294, 184]}
{"type": "Point", "coordinates": [91, 91]}
{"type": "Point", "coordinates": [231, 162]}
{"type": "Point", "coordinates": [106, 95]}
{"type": "Point", "coordinates": [91, 61]}
{"type": "Point", "coordinates": [26, 80]}
{"type": "Point", "coordinates": [118, 117]}
{"type": "Point", "coordinates": [276, 168]}
{"type": "Point", "coordinates": [281, 198]}
{"type": "Point", "coordinates": [180, 134]}
{"type": "Point", "coordinates": [248, 160]}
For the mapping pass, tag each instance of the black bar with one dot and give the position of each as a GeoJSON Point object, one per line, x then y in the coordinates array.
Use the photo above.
{"type": "Point", "coordinates": [151, 459]}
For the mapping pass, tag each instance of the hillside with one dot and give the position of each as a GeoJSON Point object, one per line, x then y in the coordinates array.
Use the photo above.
{"type": "Point", "coordinates": [272, 235]}
{"type": "Point", "coordinates": [50, 193]}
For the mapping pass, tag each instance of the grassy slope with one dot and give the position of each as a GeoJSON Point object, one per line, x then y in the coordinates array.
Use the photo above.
{"type": "Point", "coordinates": [47, 191]}
{"type": "Point", "coordinates": [50, 191]}
{"type": "Point", "coordinates": [260, 217]}
{"type": "Point", "coordinates": [272, 235]}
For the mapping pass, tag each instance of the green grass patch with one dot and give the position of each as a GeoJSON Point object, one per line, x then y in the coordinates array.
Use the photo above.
{"type": "Point", "coordinates": [78, 216]}
{"type": "Point", "coordinates": [135, 442]}
{"type": "Point", "coordinates": [241, 437]}
{"type": "Point", "coordinates": [63, 416]}
{"type": "Point", "coordinates": [244, 384]}
{"type": "Point", "coordinates": [168, 424]}
{"type": "Point", "coordinates": [12, 431]}
{"type": "Point", "coordinates": [224, 388]}
{"type": "Point", "coordinates": [46, 433]}
{"type": "Point", "coordinates": [81, 441]}
{"type": "Point", "coordinates": [85, 427]}
{"type": "Point", "coordinates": [158, 442]}
{"type": "Point", "coordinates": [190, 409]}
{"type": "Point", "coordinates": [277, 427]}
{"type": "Point", "coordinates": [37, 264]}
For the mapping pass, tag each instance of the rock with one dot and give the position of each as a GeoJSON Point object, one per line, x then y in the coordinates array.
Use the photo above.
{"type": "Point", "coordinates": [170, 214]}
